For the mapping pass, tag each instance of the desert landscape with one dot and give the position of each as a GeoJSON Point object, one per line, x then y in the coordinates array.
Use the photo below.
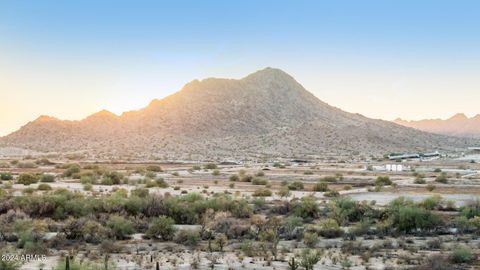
{"type": "Point", "coordinates": [249, 192]}
{"type": "Point", "coordinates": [230, 135]}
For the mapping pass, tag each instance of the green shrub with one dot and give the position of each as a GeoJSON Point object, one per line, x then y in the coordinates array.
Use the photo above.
{"type": "Point", "coordinates": [27, 179]}
{"type": "Point", "coordinates": [71, 169]}
{"type": "Point", "coordinates": [262, 192]}
{"type": "Point", "coordinates": [442, 178]}
{"type": "Point", "coordinates": [296, 185]}
{"type": "Point", "coordinates": [216, 173]}
{"type": "Point", "coordinates": [259, 181]}
{"type": "Point", "coordinates": [140, 192]}
{"type": "Point", "coordinates": [187, 237]}
{"type": "Point", "coordinates": [307, 207]}
{"type": "Point", "coordinates": [210, 166]}
{"type": "Point", "coordinates": [6, 176]}
{"type": "Point", "coordinates": [329, 228]}
{"type": "Point", "coordinates": [383, 181]}
{"type": "Point", "coordinates": [234, 178]}
{"type": "Point", "coordinates": [462, 254]}
{"type": "Point", "coordinates": [154, 168]}
{"type": "Point", "coordinates": [161, 228]}
{"type": "Point", "coordinates": [161, 183]}
{"type": "Point", "coordinates": [420, 179]}
{"type": "Point", "coordinates": [310, 239]}
{"type": "Point", "coordinates": [320, 187]}
{"type": "Point", "coordinates": [329, 179]}
{"type": "Point", "coordinates": [47, 178]}
{"type": "Point", "coordinates": [331, 193]}
{"type": "Point", "coordinates": [112, 178]}
{"type": "Point", "coordinates": [120, 227]}
{"type": "Point", "coordinates": [44, 186]}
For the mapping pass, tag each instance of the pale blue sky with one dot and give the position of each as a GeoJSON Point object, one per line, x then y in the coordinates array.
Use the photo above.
{"type": "Point", "coordinates": [409, 58]}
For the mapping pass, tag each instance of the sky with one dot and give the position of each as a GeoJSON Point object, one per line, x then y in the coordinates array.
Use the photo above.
{"type": "Point", "coordinates": [412, 59]}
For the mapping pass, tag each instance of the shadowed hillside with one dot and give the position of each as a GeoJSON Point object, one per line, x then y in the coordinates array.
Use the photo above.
{"type": "Point", "coordinates": [265, 113]}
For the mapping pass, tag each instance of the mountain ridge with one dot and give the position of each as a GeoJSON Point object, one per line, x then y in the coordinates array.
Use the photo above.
{"type": "Point", "coordinates": [458, 125]}
{"type": "Point", "coordinates": [266, 113]}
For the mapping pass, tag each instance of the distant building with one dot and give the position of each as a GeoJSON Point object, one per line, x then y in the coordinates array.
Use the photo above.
{"type": "Point", "coordinates": [394, 167]}
{"type": "Point", "coordinates": [404, 156]}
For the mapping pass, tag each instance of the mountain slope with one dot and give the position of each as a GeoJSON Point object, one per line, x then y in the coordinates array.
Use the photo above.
{"type": "Point", "coordinates": [458, 125]}
{"type": "Point", "coordinates": [265, 113]}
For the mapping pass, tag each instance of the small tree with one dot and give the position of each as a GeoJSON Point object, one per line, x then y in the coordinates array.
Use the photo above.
{"type": "Point", "coordinates": [221, 241]}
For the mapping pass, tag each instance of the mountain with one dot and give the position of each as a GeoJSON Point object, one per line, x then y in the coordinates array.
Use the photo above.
{"type": "Point", "coordinates": [458, 125]}
{"type": "Point", "coordinates": [265, 113]}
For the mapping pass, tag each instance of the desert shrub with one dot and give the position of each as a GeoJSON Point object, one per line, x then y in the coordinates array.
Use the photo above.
{"type": "Point", "coordinates": [345, 210]}
{"type": "Point", "coordinates": [221, 240]}
{"type": "Point", "coordinates": [120, 227]}
{"type": "Point", "coordinates": [329, 228]}
{"type": "Point", "coordinates": [407, 217]}
{"type": "Point", "coordinates": [87, 187]}
{"type": "Point", "coordinates": [187, 237]}
{"type": "Point", "coordinates": [308, 172]}
{"type": "Point", "coordinates": [262, 192]}
{"type": "Point", "coordinates": [331, 193]}
{"type": "Point", "coordinates": [284, 191]}
{"type": "Point", "coordinates": [442, 178]}
{"type": "Point", "coordinates": [26, 165]}
{"type": "Point", "coordinates": [234, 178]}
{"type": "Point", "coordinates": [84, 229]}
{"type": "Point", "coordinates": [434, 243]}
{"type": "Point", "coordinates": [296, 185]}
{"type": "Point", "coordinates": [44, 186]}
{"type": "Point", "coordinates": [87, 179]}
{"type": "Point", "coordinates": [150, 174]}
{"type": "Point", "coordinates": [112, 178]}
{"type": "Point", "coordinates": [210, 166]}
{"type": "Point", "coordinates": [309, 258]}
{"type": "Point", "coordinates": [27, 179]}
{"type": "Point", "coordinates": [140, 192]}
{"type": "Point", "coordinates": [216, 172]}
{"type": "Point", "coordinates": [329, 179]}
{"type": "Point", "coordinates": [471, 210]}
{"type": "Point", "coordinates": [47, 178]}
{"type": "Point", "coordinates": [310, 239]}
{"type": "Point", "coordinates": [248, 248]}
{"type": "Point", "coordinates": [420, 179]}
{"type": "Point", "coordinates": [161, 183]}
{"type": "Point", "coordinates": [383, 181]}
{"type": "Point", "coordinates": [196, 168]}
{"type": "Point", "coordinates": [437, 170]}
{"type": "Point", "coordinates": [462, 254]}
{"type": "Point", "coordinates": [161, 228]}
{"type": "Point", "coordinates": [246, 178]}
{"type": "Point", "coordinates": [433, 202]}
{"type": "Point", "coordinates": [307, 208]}
{"type": "Point", "coordinates": [475, 223]}
{"type": "Point", "coordinates": [290, 225]}
{"type": "Point", "coordinates": [320, 187]}
{"type": "Point", "coordinates": [4, 165]}
{"type": "Point", "coordinates": [260, 174]}
{"type": "Point", "coordinates": [259, 181]}
{"type": "Point", "coordinates": [71, 169]}
{"type": "Point", "coordinates": [6, 176]}
{"type": "Point", "coordinates": [154, 168]}
{"type": "Point", "coordinates": [430, 187]}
